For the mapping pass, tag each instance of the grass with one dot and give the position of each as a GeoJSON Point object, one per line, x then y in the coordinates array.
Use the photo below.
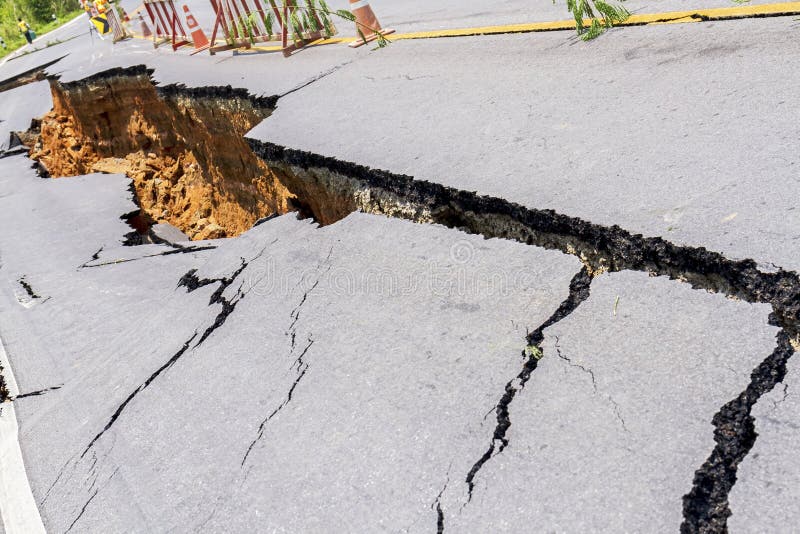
{"type": "Point", "coordinates": [15, 40]}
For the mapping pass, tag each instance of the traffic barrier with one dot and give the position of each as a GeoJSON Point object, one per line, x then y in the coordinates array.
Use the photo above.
{"type": "Point", "coordinates": [198, 37]}
{"type": "Point", "coordinates": [114, 21]}
{"type": "Point", "coordinates": [246, 22]}
{"type": "Point", "coordinates": [146, 33]}
{"type": "Point", "coordinates": [101, 23]}
{"type": "Point", "coordinates": [167, 26]}
{"type": "Point", "coordinates": [367, 26]}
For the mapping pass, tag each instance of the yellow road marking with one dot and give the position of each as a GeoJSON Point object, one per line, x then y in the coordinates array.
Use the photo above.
{"type": "Point", "coordinates": [671, 17]}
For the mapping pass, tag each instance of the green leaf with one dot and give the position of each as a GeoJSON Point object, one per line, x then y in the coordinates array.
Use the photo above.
{"type": "Point", "coordinates": [532, 351]}
{"type": "Point", "coordinates": [297, 27]}
{"type": "Point", "coordinates": [361, 35]}
{"type": "Point", "coordinates": [381, 40]}
{"type": "Point", "coordinates": [345, 15]}
{"type": "Point", "coordinates": [268, 23]}
{"type": "Point", "coordinates": [611, 13]}
{"type": "Point", "coordinates": [328, 28]}
{"type": "Point", "coordinates": [594, 31]}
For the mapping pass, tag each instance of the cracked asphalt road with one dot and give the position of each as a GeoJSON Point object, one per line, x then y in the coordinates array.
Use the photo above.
{"type": "Point", "coordinates": [350, 377]}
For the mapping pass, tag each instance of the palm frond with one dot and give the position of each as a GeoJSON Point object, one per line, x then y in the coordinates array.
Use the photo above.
{"type": "Point", "coordinates": [600, 14]}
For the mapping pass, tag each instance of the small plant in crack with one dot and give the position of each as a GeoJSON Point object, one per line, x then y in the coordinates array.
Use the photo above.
{"type": "Point", "coordinates": [533, 351]}
{"type": "Point", "coordinates": [579, 289]}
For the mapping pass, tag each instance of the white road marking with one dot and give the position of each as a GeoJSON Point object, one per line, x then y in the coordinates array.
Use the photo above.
{"type": "Point", "coordinates": [17, 506]}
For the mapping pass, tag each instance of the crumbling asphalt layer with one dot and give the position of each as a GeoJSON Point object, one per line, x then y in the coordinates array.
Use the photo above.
{"type": "Point", "coordinates": [602, 248]}
{"type": "Point", "coordinates": [705, 507]}
{"type": "Point", "coordinates": [29, 76]}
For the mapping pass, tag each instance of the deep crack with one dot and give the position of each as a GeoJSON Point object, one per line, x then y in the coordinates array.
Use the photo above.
{"type": "Point", "coordinates": [579, 289]}
{"type": "Point", "coordinates": [705, 507]}
{"type": "Point", "coordinates": [329, 189]}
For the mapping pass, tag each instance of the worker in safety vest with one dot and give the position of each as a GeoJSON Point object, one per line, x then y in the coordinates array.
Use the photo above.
{"type": "Point", "coordinates": [25, 29]}
{"type": "Point", "coordinates": [101, 6]}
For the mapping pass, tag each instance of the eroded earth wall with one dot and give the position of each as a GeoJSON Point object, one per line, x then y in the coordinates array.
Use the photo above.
{"type": "Point", "coordinates": [183, 149]}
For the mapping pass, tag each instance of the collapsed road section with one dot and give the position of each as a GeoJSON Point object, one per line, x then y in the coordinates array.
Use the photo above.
{"type": "Point", "coordinates": [183, 148]}
{"type": "Point", "coordinates": [190, 165]}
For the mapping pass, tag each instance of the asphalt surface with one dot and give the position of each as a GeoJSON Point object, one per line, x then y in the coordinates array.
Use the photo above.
{"type": "Point", "coordinates": [680, 131]}
{"type": "Point", "coordinates": [353, 377]}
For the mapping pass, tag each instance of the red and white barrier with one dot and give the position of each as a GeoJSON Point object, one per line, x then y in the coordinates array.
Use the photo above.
{"type": "Point", "coordinates": [167, 26]}
{"type": "Point", "coordinates": [243, 23]}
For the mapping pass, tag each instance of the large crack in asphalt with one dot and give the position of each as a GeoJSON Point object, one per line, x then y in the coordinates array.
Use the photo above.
{"type": "Point", "coordinates": [329, 189]}
{"type": "Point", "coordinates": [579, 289]}
{"type": "Point", "coordinates": [33, 75]}
{"type": "Point", "coordinates": [705, 507]}
{"type": "Point", "coordinates": [351, 187]}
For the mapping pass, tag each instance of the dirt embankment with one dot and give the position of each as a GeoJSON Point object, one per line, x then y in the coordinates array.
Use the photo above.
{"type": "Point", "coordinates": [184, 149]}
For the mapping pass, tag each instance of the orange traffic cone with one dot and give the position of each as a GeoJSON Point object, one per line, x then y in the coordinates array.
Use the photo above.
{"type": "Point", "coordinates": [198, 37]}
{"type": "Point", "coordinates": [367, 25]}
{"type": "Point", "coordinates": [146, 33]}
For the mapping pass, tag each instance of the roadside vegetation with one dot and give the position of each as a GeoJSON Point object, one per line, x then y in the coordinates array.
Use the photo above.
{"type": "Point", "coordinates": [42, 16]}
{"type": "Point", "coordinates": [599, 14]}
{"type": "Point", "coordinates": [592, 18]}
